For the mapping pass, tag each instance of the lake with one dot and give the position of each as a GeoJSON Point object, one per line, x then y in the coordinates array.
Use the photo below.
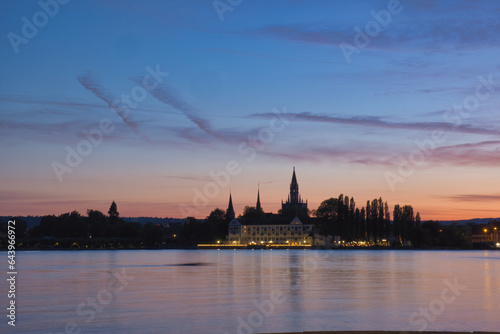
{"type": "Point", "coordinates": [244, 291]}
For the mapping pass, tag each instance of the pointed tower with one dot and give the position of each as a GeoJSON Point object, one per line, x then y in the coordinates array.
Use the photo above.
{"type": "Point", "coordinates": [294, 189]}
{"type": "Point", "coordinates": [294, 200]}
{"type": "Point", "coordinates": [258, 207]}
{"type": "Point", "coordinates": [230, 210]}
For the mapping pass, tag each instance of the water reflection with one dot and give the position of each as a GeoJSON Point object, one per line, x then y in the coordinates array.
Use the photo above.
{"type": "Point", "coordinates": [212, 291]}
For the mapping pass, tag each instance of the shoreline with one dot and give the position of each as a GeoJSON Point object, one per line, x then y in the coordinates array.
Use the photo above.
{"type": "Point", "coordinates": [261, 248]}
{"type": "Point", "coordinates": [388, 332]}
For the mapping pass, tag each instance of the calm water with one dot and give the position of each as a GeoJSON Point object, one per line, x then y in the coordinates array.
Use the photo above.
{"type": "Point", "coordinates": [242, 291]}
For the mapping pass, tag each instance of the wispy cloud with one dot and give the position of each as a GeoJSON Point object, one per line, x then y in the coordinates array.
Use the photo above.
{"type": "Point", "coordinates": [68, 106]}
{"type": "Point", "coordinates": [185, 177]}
{"type": "Point", "coordinates": [171, 97]}
{"type": "Point", "coordinates": [486, 153]}
{"type": "Point", "coordinates": [33, 130]}
{"type": "Point", "coordinates": [418, 35]}
{"type": "Point", "coordinates": [91, 84]}
{"type": "Point", "coordinates": [376, 122]}
{"type": "Point", "coordinates": [473, 198]}
{"type": "Point", "coordinates": [50, 103]}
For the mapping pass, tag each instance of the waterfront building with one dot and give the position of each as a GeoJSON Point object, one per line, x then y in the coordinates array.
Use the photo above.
{"type": "Point", "coordinates": [285, 228]}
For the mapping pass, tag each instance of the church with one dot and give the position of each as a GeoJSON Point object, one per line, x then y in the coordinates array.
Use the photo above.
{"type": "Point", "coordinates": [290, 227]}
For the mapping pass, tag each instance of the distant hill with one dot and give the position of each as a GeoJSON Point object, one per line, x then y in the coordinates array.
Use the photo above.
{"type": "Point", "coordinates": [144, 220]}
{"type": "Point", "coordinates": [35, 220]}
{"type": "Point", "coordinates": [478, 221]}
{"type": "Point", "coordinates": [30, 220]}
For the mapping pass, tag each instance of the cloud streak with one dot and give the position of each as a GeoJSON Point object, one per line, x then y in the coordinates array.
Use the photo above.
{"type": "Point", "coordinates": [98, 90]}
{"type": "Point", "coordinates": [376, 122]}
{"type": "Point", "coordinates": [473, 198]}
{"type": "Point", "coordinates": [427, 36]}
{"type": "Point", "coordinates": [171, 97]}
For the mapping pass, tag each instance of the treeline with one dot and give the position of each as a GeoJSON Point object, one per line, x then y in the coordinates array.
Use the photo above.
{"type": "Point", "coordinates": [334, 216]}
{"type": "Point", "coordinates": [340, 217]}
{"type": "Point", "coordinates": [98, 231]}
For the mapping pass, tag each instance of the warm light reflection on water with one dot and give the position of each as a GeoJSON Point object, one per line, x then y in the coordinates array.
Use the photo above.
{"type": "Point", "coordinates": [210, 291]}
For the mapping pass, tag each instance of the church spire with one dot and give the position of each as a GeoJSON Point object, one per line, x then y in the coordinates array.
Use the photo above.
{"type": "Point", "coordinates": [294, 178]}
{"type": "Point", "coordinates": [258, 207]}
{"type": "Point", "coordinates": [295, 203]}
{"type": "Point", "coordinates": [294, 189]}
{"type": "Point", "coordinates": [230, 211]}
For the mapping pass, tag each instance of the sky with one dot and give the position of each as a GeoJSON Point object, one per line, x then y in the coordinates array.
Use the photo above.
{"type": "Point", "coordinates": [167, 107]}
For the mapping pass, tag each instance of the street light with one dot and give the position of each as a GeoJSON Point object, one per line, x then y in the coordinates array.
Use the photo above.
{"type": "Point", "coordinates": [485, 230]}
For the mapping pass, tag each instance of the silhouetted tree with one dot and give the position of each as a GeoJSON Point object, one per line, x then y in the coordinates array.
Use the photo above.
{"type": "Point", "coordinates": [197, 232]}
{"type": "Point", "coordinates": [362, 224]}
{"type": "Point", "coordinates": [369, 220]}
{"type": "Point", "coordinates": [131, 230]}
{"type": "Point", "coordinates": [97, 222]}
{"type": "Point", "coordinates": [152, 235]}
{"type": "Point", "coordinates": [71, 225]}
{"type": "Point", "coordinates": [251, 213]}
{"type": "Point", "coordinates": [352, 220]}
{"type": "Point", "coordinates": [327, 217]}
{"type": "Point", "coordinates": [113, 213]}
{"type": "Point", "coordinates": [48, 225]}
{"type": "Point", "coordinates": [217, 221]}
{"type": "Point", "coordinates": [387, 220]}
{"type": "Point", "coordinates": [397, 221]}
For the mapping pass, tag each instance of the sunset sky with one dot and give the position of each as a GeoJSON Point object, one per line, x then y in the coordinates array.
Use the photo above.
{"type": "Point", "coordinates": [147, 102]}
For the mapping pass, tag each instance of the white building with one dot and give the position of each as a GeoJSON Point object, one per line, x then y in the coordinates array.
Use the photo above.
{"type": "Point", "coordinates": [272, 229]}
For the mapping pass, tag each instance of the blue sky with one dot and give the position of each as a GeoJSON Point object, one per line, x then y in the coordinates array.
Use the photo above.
{"type": "Point", "coordinates": [349, 120]}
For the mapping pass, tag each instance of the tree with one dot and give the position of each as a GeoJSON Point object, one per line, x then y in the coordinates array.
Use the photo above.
{"type": "Point", "coordinates": [217, 222]}
{"type": "Point", "coordinates": [197, 232]}
{"type": "Point", "coordinates": [97, 222]}
{"type": "Point", "coordinates": [152, 234]}
{"type": "Point", "coordinates": [374, 220]}
{"type": "Point", "coordinates": [380, 219]}
{"type": "Point", "coordinates": [251, 213]}
{"type": "Point", "coordinates": [48, 225]}
{"type": "Point", "coordinates": [352, 220]}
{"type": "Point", "coordinates": [113, 213]}
{"type": "Point", "coordinates": [369, 220]}
{"type": "Point", "coordinates": [397, 216]}
{"type": "Point", "coordinates": [132, 230]}
{"type": "Point", "coordinates": [71, 225]}
{"type": "Point", "coordinates": [327, 216]}
{"type": "Point", "coordinates": [362, 224]}
{"type": "Point", "coordinates": [408, 221]}
{"type": "Point", "coordinates": [387, 220]}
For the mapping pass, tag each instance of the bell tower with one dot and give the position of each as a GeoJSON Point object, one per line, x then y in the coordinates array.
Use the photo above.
{"type": "Point", "coordinates": [294, 199]}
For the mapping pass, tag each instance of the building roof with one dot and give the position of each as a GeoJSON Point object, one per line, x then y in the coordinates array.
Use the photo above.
{"type": "Point", "coordinates": [230, 211]}
{"type": "Point", "coordinates": [234, 222]}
